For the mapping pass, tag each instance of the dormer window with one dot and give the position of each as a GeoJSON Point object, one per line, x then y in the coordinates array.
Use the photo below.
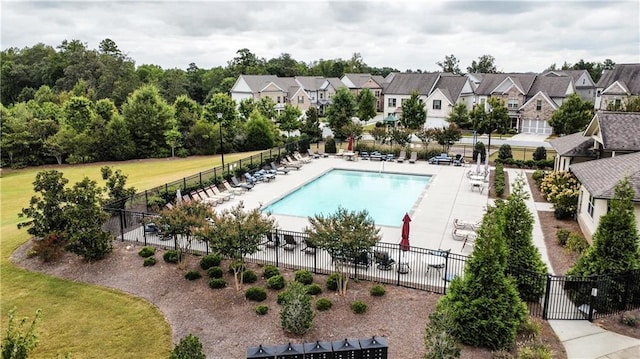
{"type": "Point", "coordinates": [538, 105]}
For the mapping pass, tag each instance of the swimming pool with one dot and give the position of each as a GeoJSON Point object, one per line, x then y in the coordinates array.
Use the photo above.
{"type": "Point", "coordinates": [387, 196]}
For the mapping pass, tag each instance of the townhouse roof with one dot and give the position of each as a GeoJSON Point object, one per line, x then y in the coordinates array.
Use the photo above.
{"type": "Point", "coordinates": [600, 177]}
{"type": "Point", "coordinates": [335, 82]}
{"type": "Point", "coordinates": [451, 86]}
{"type": "Point", "coordinates": [311, 83]}
{"type": "Point", "coordinates": [406, 83]}
{"type": "Point", "coordinates": [257, 82]}
{"type": "Point", "coordinates": [489, 82]}
{"type": "Point", "coordinates": [551, 86]}
{"type": "Point", "coordinates": [619, 131]}
{"type": "Point", "coordinates": [358, 80]}
{"type": "Point", "coordinates": [626, 74]}
{"type": "Point", "coordinates": [573, 145]}
{"type": "Point", "coordinates": [575, 74]}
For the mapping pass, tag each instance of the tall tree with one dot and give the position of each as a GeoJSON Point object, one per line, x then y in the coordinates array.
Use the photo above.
{"type": "Point", "coordinates": [186, 112]}
{"type": "Point", "coordinates": [460, 116]}
{"type": "Point", "coordinates": [247, 63]}
{"type": "Point", "coordinates": [246, 107]}
{"type": "Point", "coordinates": [414, 115]}
{"type": "Point", "coordinates": [185, 219]}
{"type": "Point", "coordinates": [289, 119]}
{"type": "Point", "coordinates": [366, 105]}
{"type": "Point", "coordinates": [495, 118]}
{"type": "Point", "coordinates": [45, 213]}
{"type": "Point", "coordinates": [225, 105]}
{"type": "Point", "coordinates": [147, 117]}
{"type": "Point", "coordinates": [340, 112]}
{"type": "Point", "coordinates": [115, 184]}
{"type": "Point", "coordinates": [267, 108]}
{"type": "Point", "coordinates": [573, 115]}
{"type": "Point", "coordinates": [446, 136]}
{"type": "Point", "coordinates": [260, 132]}
{"type": "Point", "coordinates": [485, 65]}
{"type": "Point", "coordinates": [450, 64]}
{"type": "Point", "coordinates": [79, 112]}
{"type": "Point", "coordinates": [311, 125]}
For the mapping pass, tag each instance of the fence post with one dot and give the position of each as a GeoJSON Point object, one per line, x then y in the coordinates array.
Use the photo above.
{"type": "Point", "coordinates": [446, 270]}
{"type": "Point", "coordinates": [545, 307]}
{"type": "Point", "coordinates": [200, 176]}
{"type": "Point", "coordinates": [146, 200]}
{"type": "Point", "coordinates": [277, 249]}
{"type": "Point", "coordinates": [594, 294]}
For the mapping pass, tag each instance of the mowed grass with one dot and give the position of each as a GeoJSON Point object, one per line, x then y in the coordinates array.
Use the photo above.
{"type": "Point", "coordinates": [521, 153]}
{"type": "Point", "coordinates": [85, 320]}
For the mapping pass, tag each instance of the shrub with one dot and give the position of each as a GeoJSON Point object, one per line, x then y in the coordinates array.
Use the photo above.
{"type": "Point", "coordinates": [172, 256]}
{"type": "Point", "coordinates": [501, 354]}
{"type": "Point", "coordinates": [296, 315]}
{"type": "Point", "coordinates": [537, 176]}
{"type": "Point", "coordinates": [439, 342]}
{"type": "Point", "coordinates": [192, 275]}
{"type": "Point", "coordinates": [629, 320]}
{"type": "Point", "coordinates": [215, 272]}
{"type": "Point", "coordinates": [358, 306]}
{"type": "Point", "coordinates": [147, 252]}
{"type": "Point", "coordinates": [529, 329]}
{"type": "Point", "coordinates": [261, 309]}
{"type": "Point", "coordinates": [540, 154]}
{"type": "Point", "coordinates": [330, 146]}
{"type": "Point", "coordinates": [257, 294]}
{"type": "Point", "coordinates": [377, 290]}
{"type": "Point", "coordinates": [149, 261]}
{"type": "Point", "coordinates": [313, 289]}
{"type": "Point", "coordinates": [188, 348]}
{"type": "Point", "coordinates": [304, 276]}
{"type": "Point", "coordinates": [51, 247]}
{"type": "Point", "coordinates": [270, 271]}
{"type": "Point", "coordinates": [534, 351]}
{"type": "Point", "coordinates": [237, 265]}
{"type": "Point", "coordinates": [276, 282]}
{"type": "Point", "coordinates": [498, 180]}
{"type": "Point", "coordinates": [216, 283]}
{"type": "Point", "coordinates": [561, 189]}
{"type": "Point", "coordinates": [282, 296]}
{"type": "Point", "coordinates": [562, 234]}
{"type": "Point", "coordinates": [576, 243]}
{"type": "Point", "coordinates": [249, 276]}
{"type": "Point", "coordinates": [332, 282]}
{"type": "Point", "coordinates": [479, 150]}
{"type": "Point", "coordinates": [505, 152]}
{"type": "Point", "coordinates": [323, 304]}
{"type": "Point", "coordinates": [210, 260]}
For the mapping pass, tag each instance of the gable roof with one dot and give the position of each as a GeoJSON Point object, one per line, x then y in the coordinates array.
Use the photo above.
{"type": "Point", "coordinates": [332, 81]}
{"type": "Point", "coordinates": [310, 83]}
{"type": "Point", "coordinates": [575, 74]}
{"type": "Point", "coordinates": [619, 131]}
{"type": "Point", "coordinates": [600, 177]}
{"type": "Point", "coordinates": [405, 83]}
{"type": "Point", "coordinates": [551, 86]}
{"type": "Point", "coordinates": [358, 80]}
{"type": "Point", "coordinates": [451, 86]}
{"type": "Point", "coordinates": [627, 74]}
{"type": "Point", "coordinates": [490, 82]}
{"type": "Point", "coordinates": [257, 82]}
{"type": "Point", "coordinates": [573, 145]}
{"type": "Point", "coordinates": [535, 97]}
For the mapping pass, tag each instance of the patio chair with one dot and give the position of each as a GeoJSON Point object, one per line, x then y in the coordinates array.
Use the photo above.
{"type": "Point", "coordinates": [458, 235]}
{"type": "Point", "coordinates": [264, 175]}
{"type": "Point", "coordinates": [237, 184]}
{"type": "Point", "coordinates": [340, 152]}
{"type": "Point", "coordinates": [460, 224]}
{"type": "Point", "coordinates": [311, 154]}
{"type": "Point", "coordinates": [290, 242]}
{"type": "Point", "coordinates": [299, 157]}
{"type": "Point", "coordinates": [438, 263]}
{"type": "Point", "coordinates": [469, 240]}
{"type": "Point", "coordinates": [210, 196]}
{"type": "Point", "coordinates": [364, 155]}
{"type": "Point", "coordinates": [217, 192]}
{"type": "Point", "coordinates": [383, 260]}
{"type": "Point", "coordinates": [310, 247]}
{"type": "Point", "coordinates": [235, 190]}
{"type": "Point", "coordinates": [283, 170]}
{"type": "Point", "coordinates": [273, 240]}
{"type": "Point", "coordinates": [321, 153]}
{"type": "Point", "coordinates": [249, 178]}
{"type": "Point", "coordinates": [414, 157]}
{"type": "Point", "coordinates": [402, 156]}
{"type": "Point", "coordinates": [287, 162]}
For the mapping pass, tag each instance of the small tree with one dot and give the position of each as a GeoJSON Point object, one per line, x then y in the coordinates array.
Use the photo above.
{"type": "Point", "coordinates": [188, 348]}
{"type": "Point", "coordinates": [573, 115]}
{"type": "Point", "coordinates": [505, 152]}
{"type": "Point", "coordinates": [414, 114]}
{"type": "Point", "coordinates": [19, 341]}
{"type": "Point", "coordinates": [540, 154]}
{"type": "Point", "coordinates": [479, 150]}
{"type": "Point", "coordinates": [311, 125]}
{"type": "Point", "coordinates": [379, 134]}
{"type": "Point", "coordinates": [115, 182]}
{"type": "Point", "coordinates": [46, 208]}
{"type": "Point", "coordinates": [296, 315]}
{"type": "Point", "coordinates": [340, 112]}
{"type": "Point", "coordinates": [235, 233]}
{"type": "Point", "coordinates": [366, 105]}
{"type": "Point", "coordinates": [426, 135]}
{"type": "Point", "coordinates": [460, 115]}
{"type": "Point", "coordinates": [343, 234]}
{"type": "Point", "coordinates": [446, 136]}
{"type": "Point", "coordinates": [289, 119]}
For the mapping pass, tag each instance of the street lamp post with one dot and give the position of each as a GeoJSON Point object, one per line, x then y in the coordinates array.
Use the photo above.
{"type": "Point", "coordinates": [490, 130]}
{"type": "Point", "coordinates": [219, 114]}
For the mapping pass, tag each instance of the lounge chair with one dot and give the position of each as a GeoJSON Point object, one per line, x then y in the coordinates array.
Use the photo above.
{"type": "Point", "coordinates": [310, 247]}
{"type": "Point", "coordinates": [459, 224]}
{"type": "Point", "coordinates": [290, 242]}
{"type": "Point", "coordinates": [340, 153]}
{"type": "Point", "coordinates": [186, 198]}
{"type": "Point", "coordinates": [469, 240]}
{"type": "Point", "coordinates": [237, 184]}
{"type": "Point", "coordinates": [321, 153]}
{"type": "Point", "coordinates": [414, 157]}
{"type": "Point", "coordinates": [458, 235]}
{"type": "Point", "coordinates": [264, 175]}
{"type": "Point", "coordinates": [288, 162]}
{"type": "Point", "coordinates": [250, 179]}
{"type": "Point", "coordinates": [383, 260]}
{"type": "Point", "coordinates": [311, 154]}
{"type": "Point", "coordinates": [236, 191]}
{"type": "Point", "coordinates": [273, 241]}
{"type": "Point", "coordinates": [210, 197]}
{"type": "Point", "coordinates": [217, 192]}
{"type": "Point", "coordinates": [299, 157]}
{"type": "Point", "coordinates": [402, 156]}
{"type": "Point", "coordinates": [364, 155]}
{"type": "Point", "coordinates": [283, 170]}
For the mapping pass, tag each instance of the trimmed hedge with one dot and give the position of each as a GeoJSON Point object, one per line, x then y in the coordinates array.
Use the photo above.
{"type": "Point", "coordinates": [147, 252]}
{"type": "Point", "coordinates": [276, 282]}
{"type": "Point", "coordinates": [192, 275]}
{"type": "Point", "coordinates": [149, 261]}
{"type": "Point", "coordinates": [210, 260]}
{"type": "Point", "coordinates": [172, 256]}
{"type": "Point", "coordinates": [216, 283]}
{"type": "Point", "coordinates": [256, 294]}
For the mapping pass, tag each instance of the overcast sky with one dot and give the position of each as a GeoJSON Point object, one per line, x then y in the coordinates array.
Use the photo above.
{"type": "Point", "coordinates": [521, 35]}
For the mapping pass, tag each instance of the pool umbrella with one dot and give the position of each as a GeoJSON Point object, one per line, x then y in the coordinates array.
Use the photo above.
{"type": "Point", "coordinates": [486, 163]}
{"type": "Point", "coordinates": [178, 196]}
{"type": "Point", "coordinates": [403, 267]}
{"type": "Point", "coordinates": [350, 146]}
{"type": "Point", "coordinates": [479, 164]}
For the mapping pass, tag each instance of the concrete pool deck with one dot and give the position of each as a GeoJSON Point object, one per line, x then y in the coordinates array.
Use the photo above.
{"type": "Point", "coordinates": [448, 196]}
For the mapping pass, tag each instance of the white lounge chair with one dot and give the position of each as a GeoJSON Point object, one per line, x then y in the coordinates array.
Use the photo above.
{"type": "Point", "coordinates": [402, 156]}
{"type": "Point", "coordinates": [414, 157]}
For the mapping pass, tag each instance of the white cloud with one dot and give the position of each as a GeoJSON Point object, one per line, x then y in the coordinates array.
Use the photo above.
{"type": "Point", "coordinates": [521, 35]}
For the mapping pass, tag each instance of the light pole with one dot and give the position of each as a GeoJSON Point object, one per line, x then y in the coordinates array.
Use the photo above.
{"type": "Point", "coordinates": [219, 114]}
{"type": "Point", "coordinates": [490, 130]}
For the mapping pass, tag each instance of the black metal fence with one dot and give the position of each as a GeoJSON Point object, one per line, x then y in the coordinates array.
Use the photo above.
{"type": "Point", "coordinates": [547, 296]}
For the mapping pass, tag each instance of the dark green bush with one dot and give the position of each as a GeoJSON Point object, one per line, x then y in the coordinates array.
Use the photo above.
{"type": "Point", "coordinates": [313, 289]}
{"type": "Point", "coordinates": [281, 298]}
{"type": "Point", "coordinates": [537, 176]}
{"type": "Point", "coordinates": [505, 152]}
{"type": "Point", "coordinates": [276, 282]}
{"type": "Point", "coordinates": [215, 272]}
{"type": "Point", "coordinates": [304, 276]}
{"type": "Point", "coordinates": [189, 347]}
{"type": "Point", "coordinates": [270, 271]}
{"type": "Point", "coordinates": [498, 180]}
{"type": "Point", "coordinates": [529, 329]}
{"type": "Point", "coordinates": [323, 304]}
{"type": "Point", "coordinates": [256, 294]}
{"type": "Point", "coordinates": [540, 154]}
{"type": "Point", "coordinates": [172, 256]}
{"type": "Point", "coordinates": [332, 282]}
{"type": "Point", "coordinates": [147, 252]}
{"type": "Point", "coordinates": [261, 309]}
{"type": "Point", "coordinates": [330, 145]}
{"type": "Point", "coordinates": [249, 276]}
{"type": "Point", "coordinates": [377, 290]}
{"type": "Point", "coordinates": [210, 260]}
{"type": "Point", "coordinates": [479, 150]}
{"type": "Point", "coordinates": [217, 283]}
{"type": "Point", "coordinates": [563, 235]}
{"type": "Point", "coordinates": [149, 261]}
{"type": "Point", "coordinates": [192, 275]}
{"type": "Point", "coordinates": [358, 306]}
{"type": "Point", "coordinates": [576, 243]}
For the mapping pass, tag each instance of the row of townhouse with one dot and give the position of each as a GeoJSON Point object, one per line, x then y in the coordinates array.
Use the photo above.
{"type": "Point", "coordinates": [531, 98]}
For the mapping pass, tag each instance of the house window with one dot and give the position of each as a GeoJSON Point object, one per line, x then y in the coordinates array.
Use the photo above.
{"type": "Point", "coordinates": [617, 104]}
{"type": "Point", "coordinates": [437, 104]}
{"type": "Point", "coordinates": [377, 93]}
{"type": "Point", "coordinates": [278, 100]}
{"type": "Point", "coordinates": [539, 105]}
{"type": "Point", "coordinates": [321, 95]}
{"type": "Point", "coordinates": [590, 206]}
{"type": "Point", "coordinates": [300, 99]}
{"type": "Point", "coordinates": [392, 102]}
{"type": "Point", "coordinates": [513, 104]}
{"type": "Point", "coordinates": [598, 93]}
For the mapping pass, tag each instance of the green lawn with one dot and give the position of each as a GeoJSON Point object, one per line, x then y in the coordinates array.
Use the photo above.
{"type": "Point", "coordinates": [84, 320]}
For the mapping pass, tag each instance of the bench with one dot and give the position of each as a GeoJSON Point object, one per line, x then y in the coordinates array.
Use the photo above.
{"type": "Point", "coordinates": [362, 260]}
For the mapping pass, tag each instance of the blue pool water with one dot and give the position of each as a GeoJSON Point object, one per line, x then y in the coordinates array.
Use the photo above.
{"type": "Point", "coordinates": [387, 196]}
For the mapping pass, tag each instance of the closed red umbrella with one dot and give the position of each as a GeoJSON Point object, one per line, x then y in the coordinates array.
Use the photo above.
{"type": "Point", "coordinates": [404, 243]}
{"type": "Point", "coordinates": [350, 147]}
